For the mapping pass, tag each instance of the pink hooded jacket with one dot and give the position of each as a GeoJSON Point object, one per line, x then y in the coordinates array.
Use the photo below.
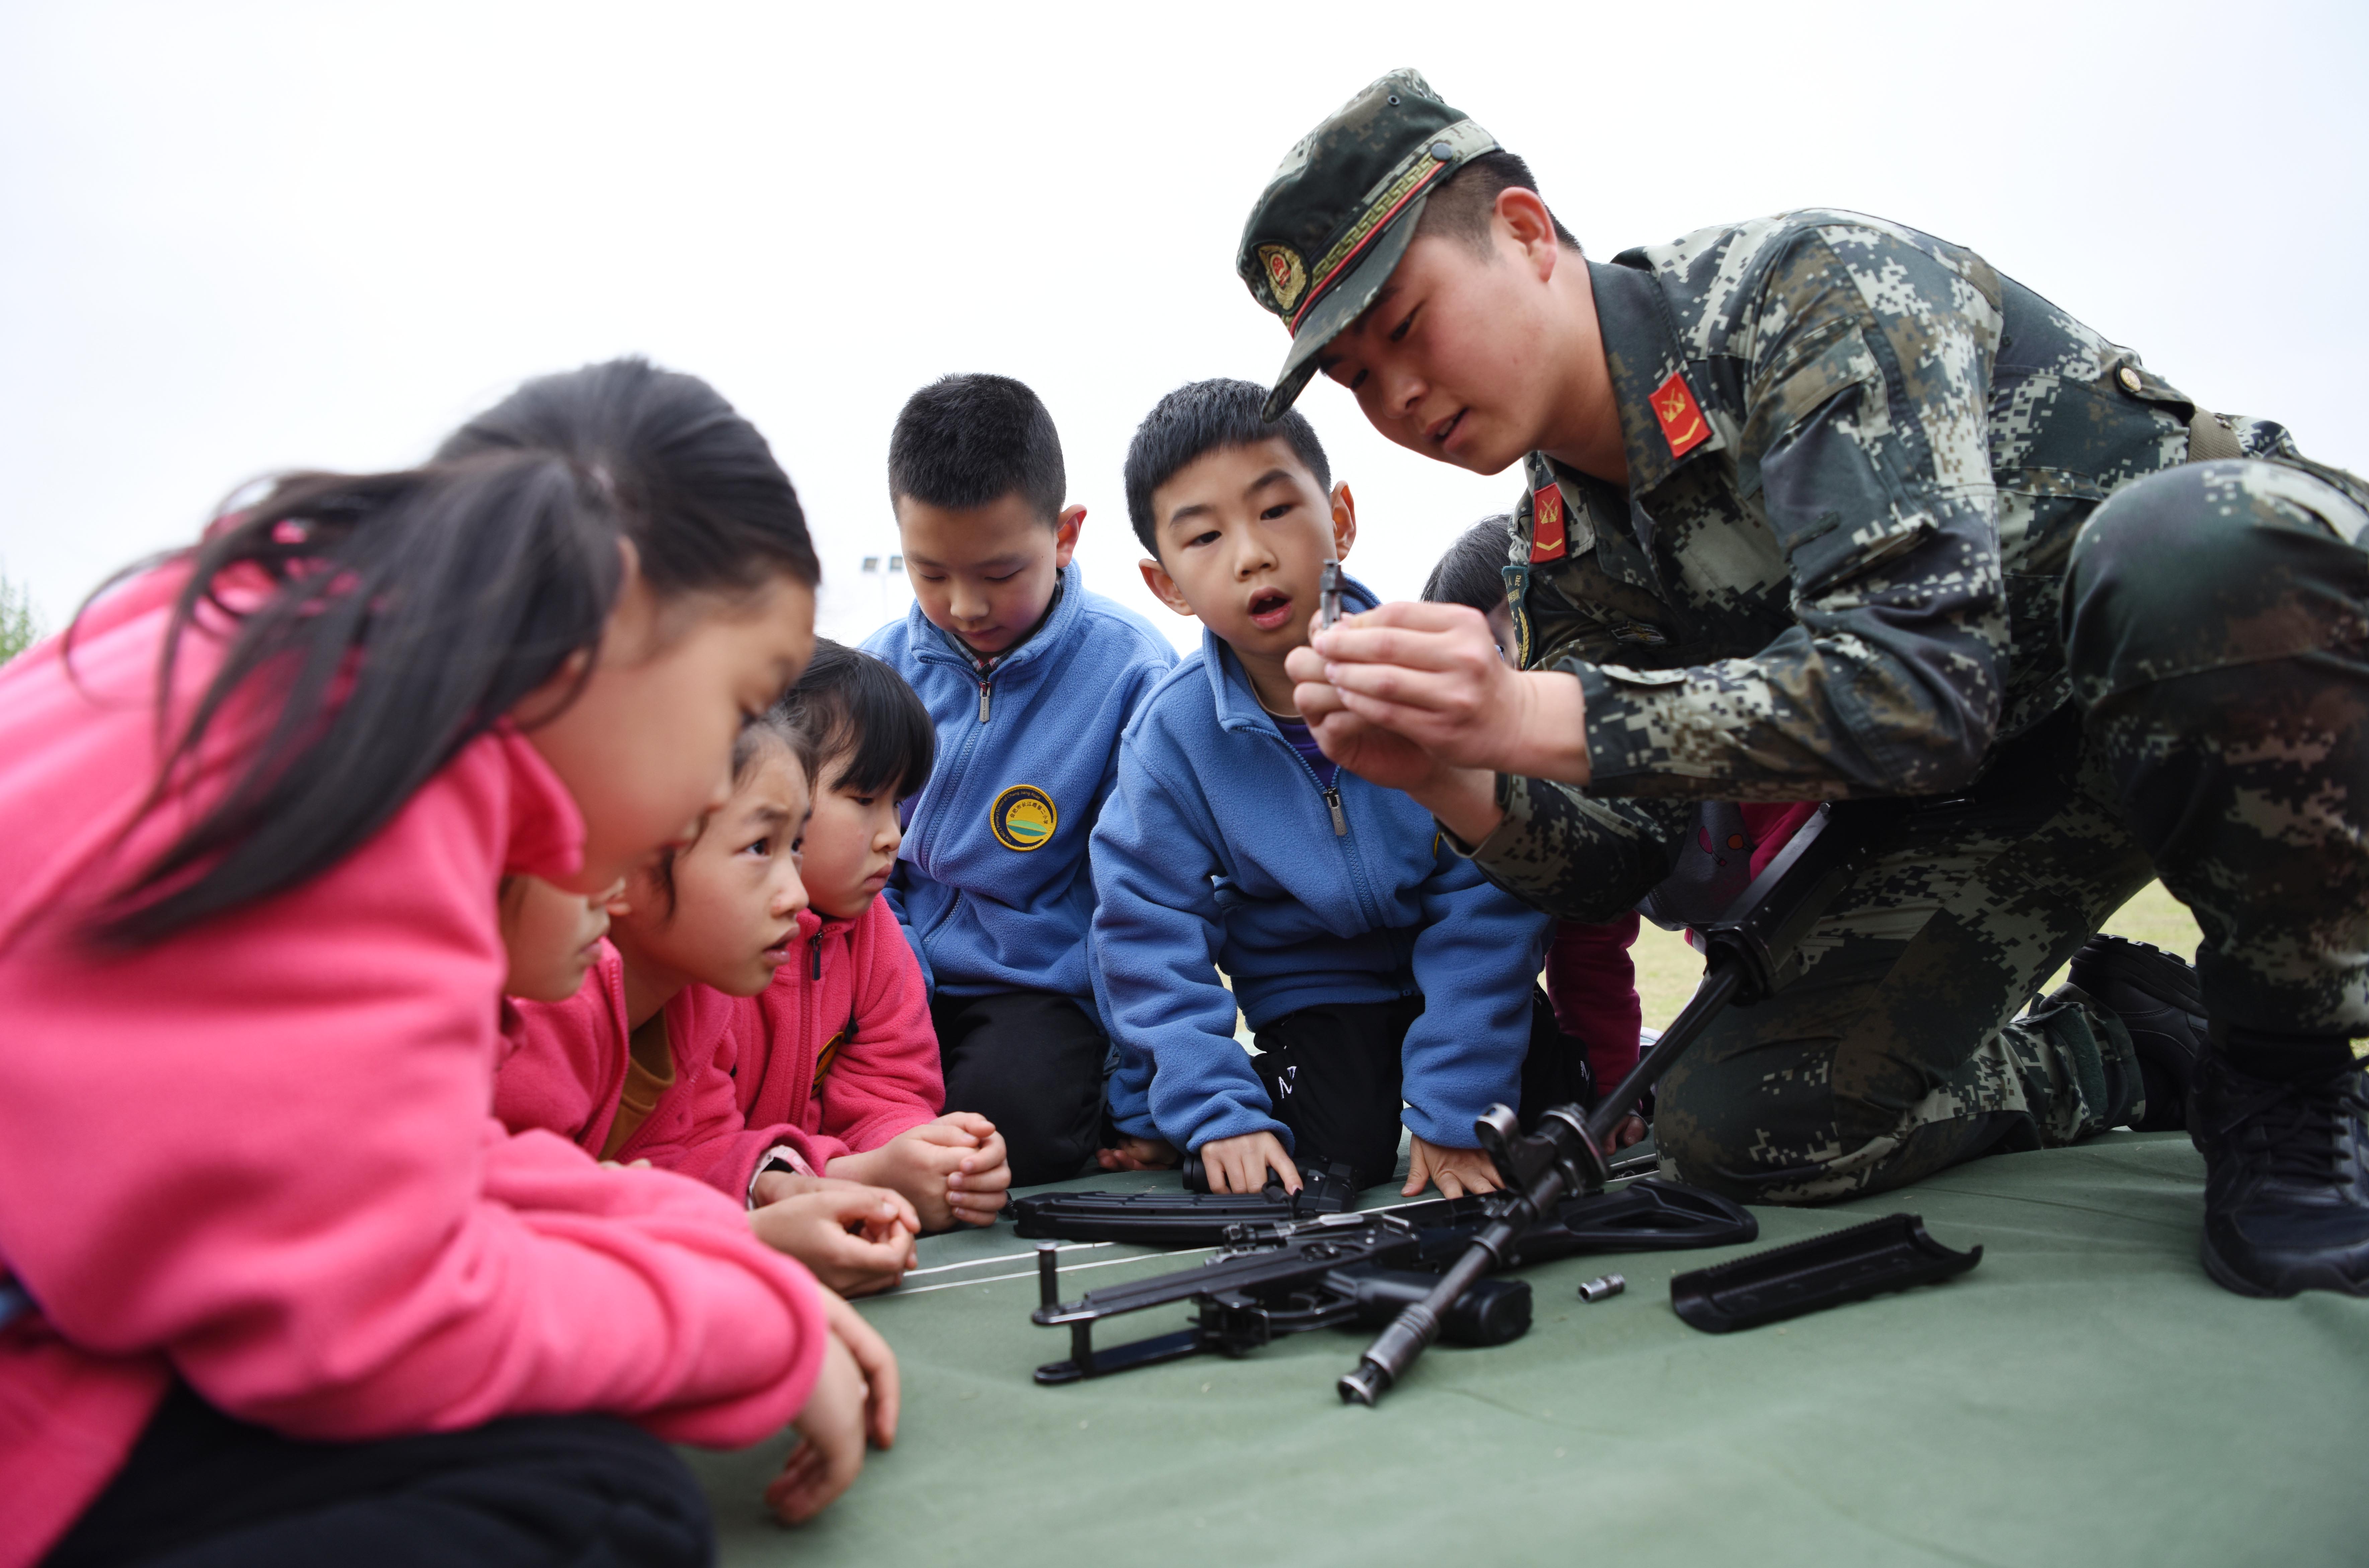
{"type": "Point", "coordinates": [745, 1067]}
{"type": "Point", "coordinates": [840, 1045]}
{"type": "Point", "coordinates": [566, 1074]}
{"type": "Point", "coordinates": [257, 1155]}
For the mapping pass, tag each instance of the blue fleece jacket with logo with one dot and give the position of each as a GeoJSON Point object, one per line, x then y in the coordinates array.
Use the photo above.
{"type": "Point", "coordinates": [991, 884]}
{"type": "Point", "coordinates": [1218, 849]}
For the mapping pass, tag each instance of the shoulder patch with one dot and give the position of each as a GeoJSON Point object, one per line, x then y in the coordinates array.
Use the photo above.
{"type": "Point", "coordinates": [1024, 817]}
{"type": "Point", "coordinates": [1682, 422]}
{"type": "Point", "coordinates": [1547, 538]}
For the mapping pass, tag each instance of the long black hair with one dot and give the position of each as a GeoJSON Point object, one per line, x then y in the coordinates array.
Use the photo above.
{"type": "Point", "coordinates": [382, 622]}
{"type": "Point", "coordinates": [858, 709]}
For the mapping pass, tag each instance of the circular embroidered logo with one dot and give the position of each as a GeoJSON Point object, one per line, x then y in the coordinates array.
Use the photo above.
{"type": "Point", "coordinates": [1285, 277]}
{"type": "Point", "coordinates": [1023, 817]}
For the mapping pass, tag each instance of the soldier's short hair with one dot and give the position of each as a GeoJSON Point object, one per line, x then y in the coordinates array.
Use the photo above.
{"type": "Point", "coordinates": [970, 440]}
{"type": "Point", "coordinates": [1199, 418]}
{"type": "Point", "coordinates": [1462, 208]}
{"type": "Point", "coordinates": [1472, 572]}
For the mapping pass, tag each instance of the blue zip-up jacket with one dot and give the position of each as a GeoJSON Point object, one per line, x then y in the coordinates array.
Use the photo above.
{"type": "Point", "coordinates": [991, 884]}
{"type": "Point", "coordinates": [1219, 849]}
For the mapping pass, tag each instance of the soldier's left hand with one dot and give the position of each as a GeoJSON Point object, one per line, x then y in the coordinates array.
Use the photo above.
{"type": "Point", "coordinates": [1431, 674]}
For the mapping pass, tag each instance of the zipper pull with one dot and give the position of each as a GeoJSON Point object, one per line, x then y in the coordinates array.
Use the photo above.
{"type": "Point", "coordinates": [815, 948]}
{"type": "Point", "coordinates": [1340, 823]}
{"type": "Point", "coordinates": [982, 701]}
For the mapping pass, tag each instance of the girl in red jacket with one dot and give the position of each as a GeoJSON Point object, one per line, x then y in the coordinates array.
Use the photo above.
{"type": "Point", "coordinates": [840, 1045]}
{"type": "Point", "coordinates": [277, 1289]}
{"type": "Point", "coordinates": [636, 1066]}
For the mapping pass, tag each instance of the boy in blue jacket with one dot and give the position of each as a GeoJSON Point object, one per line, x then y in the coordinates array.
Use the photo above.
{"type": "Point", "coordinates": [1028, 678]}
{"type": "Point", "coordinates": [1374, 964]}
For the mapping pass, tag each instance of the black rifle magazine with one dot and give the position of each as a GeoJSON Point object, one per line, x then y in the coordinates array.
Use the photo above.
{"type": "Point", "coordinates": [1890, 1254]}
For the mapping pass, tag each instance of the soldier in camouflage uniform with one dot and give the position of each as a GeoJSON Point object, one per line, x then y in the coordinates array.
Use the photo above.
{"type": "Point", "coordinates": [1829, 520]}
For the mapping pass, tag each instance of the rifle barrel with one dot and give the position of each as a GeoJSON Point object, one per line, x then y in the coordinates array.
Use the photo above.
{"type": "Point", "coordinates": [1412, 1331]}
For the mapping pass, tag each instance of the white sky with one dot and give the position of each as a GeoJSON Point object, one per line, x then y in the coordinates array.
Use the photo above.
{"type": "Point", "coordinates": [241, 237]}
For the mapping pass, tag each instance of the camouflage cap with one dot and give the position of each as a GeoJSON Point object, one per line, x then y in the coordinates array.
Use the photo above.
{"type": "Point", "coordinates": [1330, 228]}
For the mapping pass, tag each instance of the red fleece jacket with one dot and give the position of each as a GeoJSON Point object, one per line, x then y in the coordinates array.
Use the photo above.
{"type": "Point", "coordinates": [840, 1045]}
{"type": "Point", "coordinates": [746, 1067]}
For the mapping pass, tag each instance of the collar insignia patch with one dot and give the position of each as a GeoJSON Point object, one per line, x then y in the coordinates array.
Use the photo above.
{"type": "Point", "coordinates": [1546, 524]}
{"type": "Point", "coordinates": [1682, 422]}
{"type": "Point", "coordinates": [1024, 817]}
{"type": "Point", "coordinates": [1285, 274]}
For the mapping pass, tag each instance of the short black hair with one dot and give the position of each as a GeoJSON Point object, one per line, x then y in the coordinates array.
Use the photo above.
{"type": "Point", "coordinates": [1461, 208]}
{"type": "Point", "coordinates": [1196, 420]}
{"type": "Point", "coordinates": [856, 706]}
{"type": "Point", "coordinates": [1472, 570]}
{"type": "Point", "coordinates": [970, 440]}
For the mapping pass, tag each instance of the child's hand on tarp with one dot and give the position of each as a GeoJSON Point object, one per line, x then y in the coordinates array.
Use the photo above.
{"type": "Point", "coordinates": [975, 1188]}
{"type": "Point", "coordinates": [1240, 1164]}
{"type": "Point", "coordinates": [1456, 1172]}
{"type": "Point", "coordinates": [952, 1170]}
{"type": "Point", "coordinates": [854, 1399]}
{"type": "Point", "coordinates": [856, 1240]}
{"type": "Point", "coordinates": [1138, 1154]}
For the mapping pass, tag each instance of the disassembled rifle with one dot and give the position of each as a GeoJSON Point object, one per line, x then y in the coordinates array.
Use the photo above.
{"type": "Point", "coordinates": [1362, 1269]}
{"type": "Point", "coordinates": [1296, 1262]}
{"type": "Point", "coordinates": [1753, 950]}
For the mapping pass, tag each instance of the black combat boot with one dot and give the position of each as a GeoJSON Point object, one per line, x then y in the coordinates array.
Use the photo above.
{"type": "Point", "coordinates": [2157, 999]}
{"type": "Point", "coordinates": [2286, 1180]}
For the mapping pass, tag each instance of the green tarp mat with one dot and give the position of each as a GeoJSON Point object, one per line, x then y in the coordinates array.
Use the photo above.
{"type": "Point", "coordinates": [2083, 1396]}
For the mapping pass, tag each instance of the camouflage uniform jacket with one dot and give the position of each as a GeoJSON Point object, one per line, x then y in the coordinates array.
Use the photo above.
{"type": "Point", "coordinates": [1858, 457]}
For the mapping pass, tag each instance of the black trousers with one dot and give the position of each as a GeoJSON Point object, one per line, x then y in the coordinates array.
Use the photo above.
{"type": "Point", "coordinates": [202, 1490]}
{"type": "Point", "coordinates": [1032, 1064]}
{"type": "Point", "coordinates": [1333, 1075]}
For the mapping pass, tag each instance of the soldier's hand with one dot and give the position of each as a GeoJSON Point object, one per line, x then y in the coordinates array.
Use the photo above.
{"type": "Point", "coordinates": [1455, 1170]}
{"type": "Point", "coordinates": [1374, 754]}
{"type": "Point", "coordinates": [1431, 674]}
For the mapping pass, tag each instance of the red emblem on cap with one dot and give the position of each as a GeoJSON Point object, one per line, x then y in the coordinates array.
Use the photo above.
{"type": "Point", "coordinates": [1682, 423]}
{"type": "Point", "coordinates": [1546, 525]}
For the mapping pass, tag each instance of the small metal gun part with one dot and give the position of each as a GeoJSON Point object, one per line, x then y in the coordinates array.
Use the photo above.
{"type": "Point", "coordinates": [1328, 596]}
{"type": "Point", "coordinates": [1603, 1284]}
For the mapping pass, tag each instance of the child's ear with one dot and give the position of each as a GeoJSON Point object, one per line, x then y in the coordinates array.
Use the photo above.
{"type": "Point", "coordinates": [1162, 586]}
{"type": "Point", "coordinates": [1345, 521]}
{"type": "Point", "coordinates": [1065, 534]}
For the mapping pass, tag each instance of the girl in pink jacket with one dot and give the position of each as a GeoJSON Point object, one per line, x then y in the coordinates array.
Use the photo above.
{"type": "Point", "coordinates": [776, 1052]}
{"type": "Point", "coordinates": [840, 1045]}
{"type": "Point", "coordinates": [636, 1065]}
{"type": "Point", "coordinates": [278, 1288]}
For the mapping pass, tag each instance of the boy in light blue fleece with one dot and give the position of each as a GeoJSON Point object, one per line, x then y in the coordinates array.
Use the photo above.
{"type": "Point", "coordinates": [1374, 963]}
{"type": "Point", "coordinates": [1028, 679]}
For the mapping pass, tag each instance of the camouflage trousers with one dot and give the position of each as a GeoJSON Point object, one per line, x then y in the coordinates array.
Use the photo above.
{"type": "Point", "coordinates": [2217, 632]}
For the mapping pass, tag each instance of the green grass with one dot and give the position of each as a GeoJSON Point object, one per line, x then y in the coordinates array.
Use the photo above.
{"type": "Point", "coordinates": [20, 623]}
{"type": "Point", "coordinates": [1667, 969]}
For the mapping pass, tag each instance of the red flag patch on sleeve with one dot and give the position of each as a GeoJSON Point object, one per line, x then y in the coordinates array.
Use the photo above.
{"type": "Point", "coordinates": [1546, 525]}
{"type": "Point", "coordinates": [1682, 422]}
